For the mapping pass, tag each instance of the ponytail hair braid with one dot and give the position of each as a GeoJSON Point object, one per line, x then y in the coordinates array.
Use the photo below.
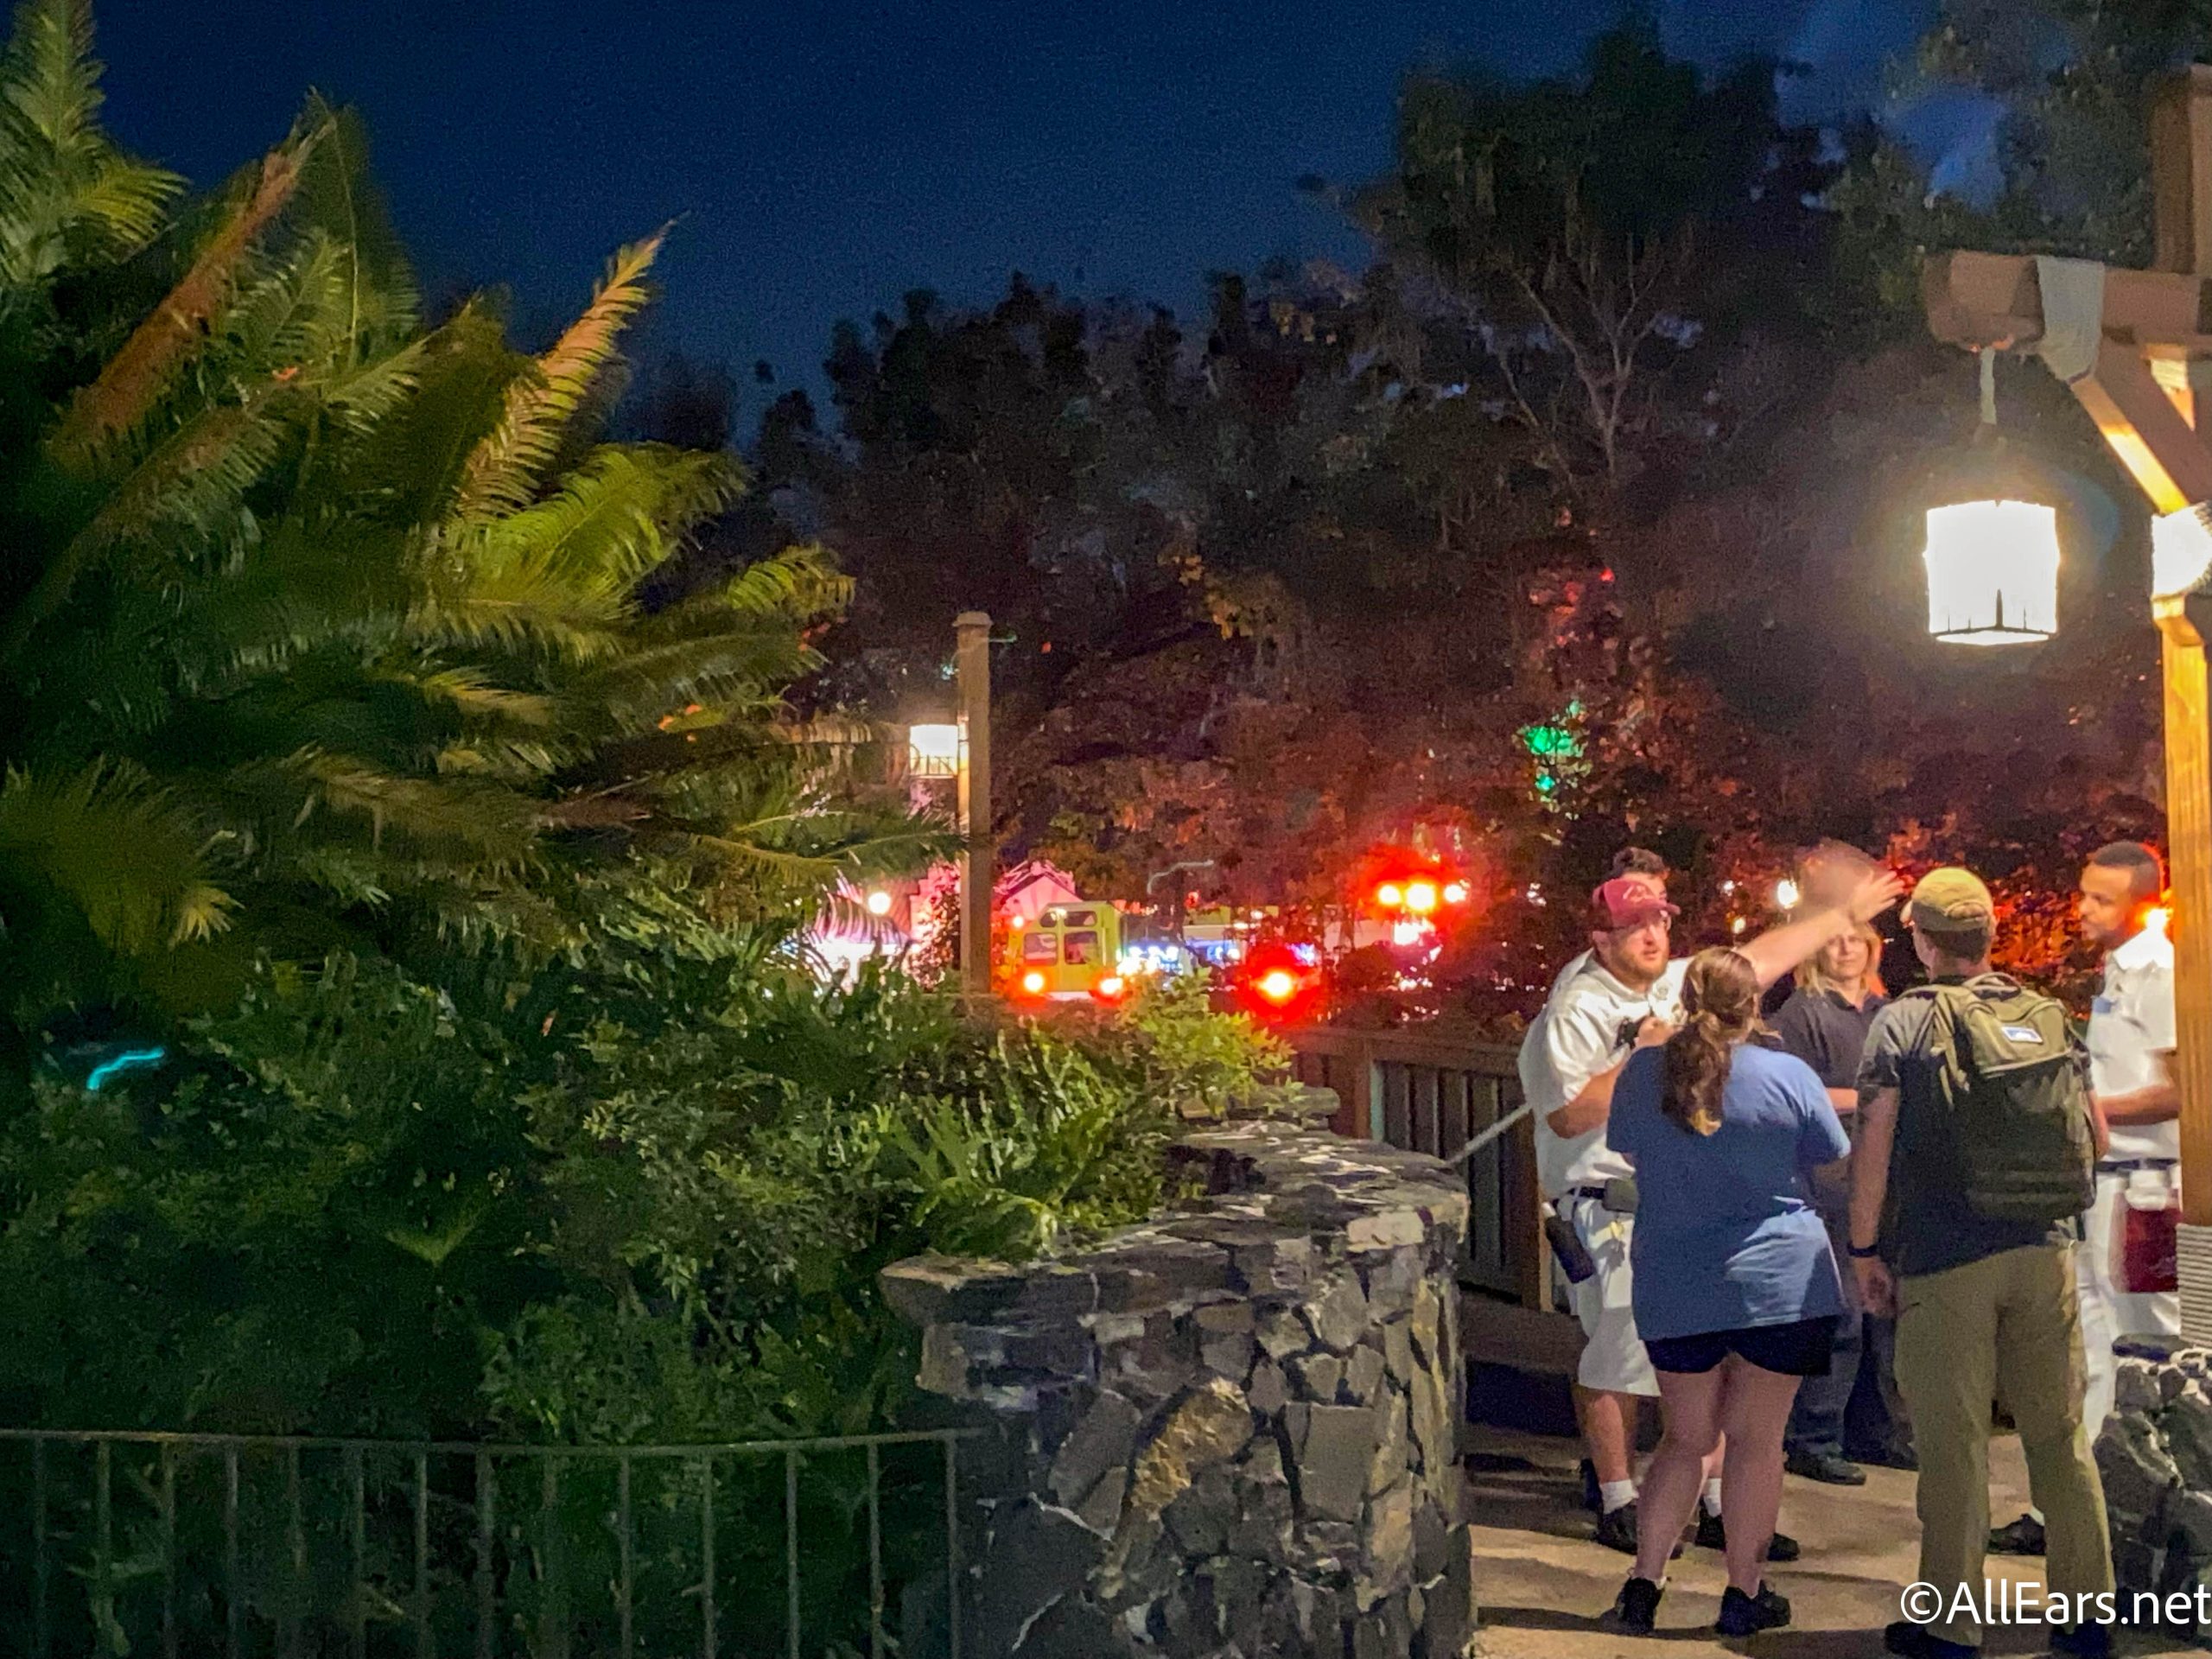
{"type": "Point", "coordinates": [1720, 995]}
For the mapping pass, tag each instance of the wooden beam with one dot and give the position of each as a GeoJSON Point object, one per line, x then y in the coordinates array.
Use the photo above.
{"type": "Point", "coordinates": [2188, 846]}
{"type": "Point", "coordinates": [2152, 437]}
{"type": "Point", "coordinates": [2181, 169]}
{"type": "Point", "coordinates": [1994, 299]}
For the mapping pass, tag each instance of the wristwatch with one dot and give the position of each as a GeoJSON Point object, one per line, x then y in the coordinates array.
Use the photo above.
{"type": "Point", "coordinates": [1858, 1255]}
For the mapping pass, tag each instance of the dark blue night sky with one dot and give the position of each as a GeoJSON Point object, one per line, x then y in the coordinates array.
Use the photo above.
{"type": "Point", "coordinates": [825, 155]}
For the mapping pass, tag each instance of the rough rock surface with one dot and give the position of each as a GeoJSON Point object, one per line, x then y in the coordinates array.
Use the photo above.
{"type": "Point", "coordinates": [2155, 1455]}
{"type": "Point", "coordinates": [1227, 1432]}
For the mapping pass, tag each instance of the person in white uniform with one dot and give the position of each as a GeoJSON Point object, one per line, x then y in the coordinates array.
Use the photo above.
{"type": "Point", "coordinates": [2131, 1042]}
{"type": "Point", "coordinates": [1623, 995]}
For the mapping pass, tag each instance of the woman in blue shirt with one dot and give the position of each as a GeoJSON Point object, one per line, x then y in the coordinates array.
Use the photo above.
{"type": "Point", "coordinates": [1736, 1294]}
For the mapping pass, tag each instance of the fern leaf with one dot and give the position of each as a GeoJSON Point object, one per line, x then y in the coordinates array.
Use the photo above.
{"type": "Point", "coordinates": [117, 849]}
{"type": "Point", "coordinates": [508, 468]}
{"type": "Point", "coordinates": [118, 399]}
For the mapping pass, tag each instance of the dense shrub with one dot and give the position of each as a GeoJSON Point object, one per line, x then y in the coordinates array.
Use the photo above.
{"type": "Point", "coordinates": [642, 1200]}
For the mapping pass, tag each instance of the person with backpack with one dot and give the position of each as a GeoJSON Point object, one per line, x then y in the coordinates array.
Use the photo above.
{"type": "Point", "coordinates": [2125, 1266]}
{"type": "Point", "coordinates": [1974, 1158]}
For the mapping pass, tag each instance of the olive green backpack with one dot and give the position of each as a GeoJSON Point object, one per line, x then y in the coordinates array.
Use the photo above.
{"type": "Point", "coordinates": [2011, 1083]}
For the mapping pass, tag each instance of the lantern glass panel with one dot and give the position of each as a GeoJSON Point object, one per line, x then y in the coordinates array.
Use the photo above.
{"type": "Point", "coordinates": [934, 750]}
{"type": "Point", "coordinates": [2181, 552]}
{"type": "Point", "coordinates": [1992, 573]}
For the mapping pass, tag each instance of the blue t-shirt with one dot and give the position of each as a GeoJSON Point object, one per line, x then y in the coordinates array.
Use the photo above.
{"type": "Point", "coordinates": [1725, 1235]}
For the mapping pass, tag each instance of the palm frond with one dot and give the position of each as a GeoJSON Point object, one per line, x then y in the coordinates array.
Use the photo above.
{"type": "Point", "coordinates": [484, 823]}
{"type": "Point", "coordinates": [186, 492]}
{"type": "Point", "coordinates": [118, 850]}
{"type": "Point", "coordinates": [64, 190]}
{"type": "Point", "coordinates": [381, 304]}
{"type": "Point", "coordinates": [119, 399]}
{"type": "Point", "coordinates": [508, 468]}
{"type": "Point", "coordinates": [616, 520]}
{"type": "Point", "coordinates": [514, 609]}
{"type": "Point", "coordinates": [801, 584]}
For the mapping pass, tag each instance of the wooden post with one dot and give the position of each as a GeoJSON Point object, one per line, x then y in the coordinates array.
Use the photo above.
{"type": "Point", "coordinates": [2188, 840]}
{"type": "Point", "coordinates": [2153, 377]}
{"type": "Point", "coordinates": [972, 669]}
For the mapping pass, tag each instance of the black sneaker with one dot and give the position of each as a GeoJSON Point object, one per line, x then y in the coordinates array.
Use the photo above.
{"type": "Point", "coordinates": [1827, 1467]}
{"type": "Point", "coordinates": [1636, 1608]}
{"type": "Point", "coordinates": [2083, 1642]}
{"type": "Point", "coordinates": [1712, 1534]}
{"type": "Point", "coordinates": [2021, 1537]}
{"type": "Point", "coordinates": [1742, 1614]}
{"type": "Point", "coordinates": [1617, 1528]}
{"type": "Point", "coordinates": [1589, 1496]}
{"type": "Point", "coordinates": [1911, 1641]}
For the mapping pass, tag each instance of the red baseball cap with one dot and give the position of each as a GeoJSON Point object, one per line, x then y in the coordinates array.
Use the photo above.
{"type": "Point", "coordinates": [1630, 901]}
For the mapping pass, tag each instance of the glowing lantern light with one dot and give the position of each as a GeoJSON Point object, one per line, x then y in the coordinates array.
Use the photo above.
{"type": "Point", "coordinates": [1034, 982]}
{"type": "Point", "coordinates": [1420, 897]}
{"type": "Point", "coordinates": [1278, 985]}
{"type": "Point", "coordinates": [1786, 894]}
{"type": "Point", "coordinates": [1455, 893]}
{"type": "Point", "coordinates": [878, 903]}
{"type": "Point", "coordinates": [933, 750]}
{"type": "Point", "coordinates": [1389, 895]}
{"type": "Point", "coordinates": [1992, 573]}
{"type": "Point", "coordinates": [2181, 552]}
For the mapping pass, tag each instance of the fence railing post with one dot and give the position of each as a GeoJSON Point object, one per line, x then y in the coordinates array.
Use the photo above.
{"type": "Point", "coordinates": [314, 1557]}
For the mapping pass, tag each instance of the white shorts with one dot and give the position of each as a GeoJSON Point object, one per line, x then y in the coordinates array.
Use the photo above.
{"type": "Point", "coordinates": [1614, 1360]}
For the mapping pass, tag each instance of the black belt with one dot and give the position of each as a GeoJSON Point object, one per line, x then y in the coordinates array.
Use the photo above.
{"type": "Point", "coordinates": [2129, 1166]}
{"type": "Point", "coordinates": [1597, 1192]}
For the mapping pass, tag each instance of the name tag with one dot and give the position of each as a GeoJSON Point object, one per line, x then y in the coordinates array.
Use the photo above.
{"type": "Point", "coordinates": [2024, 1034]}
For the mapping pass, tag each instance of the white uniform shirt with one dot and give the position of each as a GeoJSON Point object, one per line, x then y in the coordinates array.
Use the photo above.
{"type": "Point", "coordinates": [1575, 1038]}
{"type": "Point", "coordinates": [2131, 1032]}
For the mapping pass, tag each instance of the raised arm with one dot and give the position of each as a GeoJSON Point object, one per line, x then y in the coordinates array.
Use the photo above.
{"type": "Point", "coordinates": [1779, 949]}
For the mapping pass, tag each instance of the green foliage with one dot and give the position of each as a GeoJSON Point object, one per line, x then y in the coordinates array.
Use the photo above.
{"type": "Point", "coordinates": [321, 626]}
{"type": "Point", "coordinates": [1189, 1053]}
{"type": "Point", "coordinates": [1044, 1140]}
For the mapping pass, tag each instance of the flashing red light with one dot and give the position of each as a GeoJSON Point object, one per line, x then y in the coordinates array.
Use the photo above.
{"type": "Point", "coordinates": [1389, 895]}
{"type": "Point", "coordinates": [1455, 893]}
{"type": "Point", "coordinates": [1278, 985]}
{"type": "Point", "coordinates": [1034, 982]}
{"type": "Point", "coordinates": [1111, 988]}
{"type": "Point", "coordinates": [1420, 897]}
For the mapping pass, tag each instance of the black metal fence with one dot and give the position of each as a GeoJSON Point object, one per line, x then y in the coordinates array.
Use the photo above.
{"type": "Point", "coordinates": [275, 1547]}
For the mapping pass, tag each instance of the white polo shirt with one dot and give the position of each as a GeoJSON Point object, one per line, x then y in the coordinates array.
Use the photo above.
{"type": "Point", "coordinates": [2130, 1034]}
{"type": "Point", "coordinates": [1576, 1037]}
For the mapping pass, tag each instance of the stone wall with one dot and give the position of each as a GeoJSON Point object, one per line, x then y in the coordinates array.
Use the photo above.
{"type": "Point", "coordinates": [2155, 1455]}
{"type": "Point", "coordinates": [1230, 1432]}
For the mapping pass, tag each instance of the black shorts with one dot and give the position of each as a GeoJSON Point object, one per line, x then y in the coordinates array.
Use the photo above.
{"type": "Point", "coordinates": [1798, 1349]}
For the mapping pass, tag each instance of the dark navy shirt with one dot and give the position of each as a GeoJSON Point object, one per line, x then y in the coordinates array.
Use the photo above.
{"type": "Point", "coordinates": [1823, 1030]}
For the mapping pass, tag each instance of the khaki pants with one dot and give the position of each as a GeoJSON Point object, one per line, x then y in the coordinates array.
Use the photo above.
{"type": "Point", "coordinates": [2008, 1323]}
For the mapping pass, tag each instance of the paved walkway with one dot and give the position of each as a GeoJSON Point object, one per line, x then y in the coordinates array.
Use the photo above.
{"type": "Point", "coordinates": [1544, 1583]}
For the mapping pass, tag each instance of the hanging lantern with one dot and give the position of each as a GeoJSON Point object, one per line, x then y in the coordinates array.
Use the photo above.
{"type": "Point", "coordinates": [1993, 563]}
{"type": "Point", "coordinates": [1992, 573]}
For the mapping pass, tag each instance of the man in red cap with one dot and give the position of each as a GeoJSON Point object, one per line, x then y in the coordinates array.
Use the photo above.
{"type": "Point", "coordinates": [1626, 995]}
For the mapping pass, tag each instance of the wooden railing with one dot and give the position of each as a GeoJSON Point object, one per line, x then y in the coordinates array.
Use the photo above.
{"type": "Point", "coordinates": [1430, 1093]}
